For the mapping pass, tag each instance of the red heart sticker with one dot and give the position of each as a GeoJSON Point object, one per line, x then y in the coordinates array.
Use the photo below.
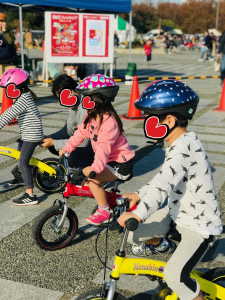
{"type": "Point", "coordinates": [12, 92]}
{"type": "Point", "coordinates": [153, 130]}
{"type": "Point", "coordinates": [66, 99]}
{"type": "Point", "coordinates": [87, 103]}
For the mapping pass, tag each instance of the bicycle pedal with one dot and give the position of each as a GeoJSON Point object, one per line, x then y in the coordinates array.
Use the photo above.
{"type": "Point", "coordinates": [104, 225]}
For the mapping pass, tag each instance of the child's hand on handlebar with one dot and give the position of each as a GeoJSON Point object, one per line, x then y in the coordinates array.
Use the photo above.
{"type": "Point", "coordinates": [133, 198]}
{"type": "Point", "coordinates": [87, 171]}
{"type": "Point", "coordinates": [61, 152]}
{"type": "Point", "coordinates": [125, 216]}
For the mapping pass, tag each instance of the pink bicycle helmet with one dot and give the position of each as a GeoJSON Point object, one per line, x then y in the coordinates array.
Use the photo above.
{"type": "Point", "coordinates": [17, 76]}
{"type": "Point", "coordinates": [98, 84]}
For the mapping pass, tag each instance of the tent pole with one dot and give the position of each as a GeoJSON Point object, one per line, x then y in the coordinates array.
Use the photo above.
{"type": "Point", "coordinates": [21, 34]}
{"type": "Point", "coordinates": [130, 35]}
{"type": "Point", "coordinates": [217, 13]}
{"type": "Point", "coordinates": [111, 70]}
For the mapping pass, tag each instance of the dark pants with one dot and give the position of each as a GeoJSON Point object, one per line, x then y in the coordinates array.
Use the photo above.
{"type": "Point", "coordinates": [27, 149]}
{"type": "Point", "coordinates": [82, 157]}
{"type": "Point", "coordinates": [222, 72]}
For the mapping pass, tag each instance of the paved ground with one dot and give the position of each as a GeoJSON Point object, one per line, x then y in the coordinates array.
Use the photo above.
{"type": "Point", "coordinates": [30, 273]}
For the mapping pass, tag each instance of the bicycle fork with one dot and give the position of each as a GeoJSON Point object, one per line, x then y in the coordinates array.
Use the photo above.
{"type": "Point", "coordinates": [120, 255]}
{"type": "Point", "coordinates": [63, 203]}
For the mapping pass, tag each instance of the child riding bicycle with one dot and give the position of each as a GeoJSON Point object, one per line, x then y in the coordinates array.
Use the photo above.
{"type": "Point", "coordinates": [186, 179]}
{"type": "Point", "coordinates": [31, 131]}
{"type": "Point", "coordinates": [83, 156]}
{"type": "Point", "coordinates": [113, 155]}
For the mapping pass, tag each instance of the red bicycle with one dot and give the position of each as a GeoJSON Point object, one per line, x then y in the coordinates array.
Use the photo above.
{"type": "Point", "coordinates": [55, 227]}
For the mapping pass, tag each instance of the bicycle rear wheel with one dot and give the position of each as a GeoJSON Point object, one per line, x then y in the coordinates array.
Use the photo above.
{"type": "Point", "coordinates": [50, 184]}
{"type": "Point", "coordinates": [95, 295]}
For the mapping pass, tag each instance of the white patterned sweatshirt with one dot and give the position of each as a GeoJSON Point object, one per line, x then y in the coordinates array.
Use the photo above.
{"type": "Point", "coordinates": [186, 179]}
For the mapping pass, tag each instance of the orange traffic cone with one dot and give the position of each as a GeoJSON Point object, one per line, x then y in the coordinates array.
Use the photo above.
{"type": "Point", "coordinates": [6, 103]}
{"type": "Point", "coordinates": [43, 47]}
{"type": "Point", "coordinates": [222, 101]}
{"type": "Point", "coordinates": [133, 112]}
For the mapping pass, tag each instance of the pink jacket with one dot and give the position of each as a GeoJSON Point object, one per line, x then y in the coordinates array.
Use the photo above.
{"type": "Point", "coordinates": [107, 142]}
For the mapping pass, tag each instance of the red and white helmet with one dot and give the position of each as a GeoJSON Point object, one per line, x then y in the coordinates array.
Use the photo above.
{"type": "Point", "coordinates": [17, 76]}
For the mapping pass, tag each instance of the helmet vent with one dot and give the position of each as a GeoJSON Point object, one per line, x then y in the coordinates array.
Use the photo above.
{"type": "Point", "coordinates": [8, 78]}
{"type": "Point", "coordinates": [13, 72]}
{"type": "Point", "coordinates": [6, 73]}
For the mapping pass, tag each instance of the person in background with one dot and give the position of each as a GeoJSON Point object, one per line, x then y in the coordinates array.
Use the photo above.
{"type": "Point", "coordinates": [29, 39]}
{"type": "Point", "coordinates": [17, 36]}
{"type": "Point", "coordinates": [208, 44]}
{"type": "Point", "coordinates": [221, 52]}
{"type": "Point", "coordinates": [148, 51]}
{"type": "Point", "coordinates": [7, 50]}
{"type": "Point", "coordinates": [116, 40]}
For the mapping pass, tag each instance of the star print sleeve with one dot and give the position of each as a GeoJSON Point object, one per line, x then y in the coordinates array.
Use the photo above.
{"type": "Point", "coordinates": [79, 136]}
{"type": "Point", "coordinates": [172, 172]}
{"type": "Point", "coordinates": [106, 138]}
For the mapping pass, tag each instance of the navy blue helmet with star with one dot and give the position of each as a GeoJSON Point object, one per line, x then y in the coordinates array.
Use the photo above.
{"type": "Point", "coordinates": [168, 96]}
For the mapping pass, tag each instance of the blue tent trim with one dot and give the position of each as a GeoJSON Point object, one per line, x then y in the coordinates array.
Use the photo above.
{"type": "Point", "coordinates": [112, 5]}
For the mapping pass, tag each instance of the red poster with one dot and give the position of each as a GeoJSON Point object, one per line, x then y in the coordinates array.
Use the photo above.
{"type": "Point", "coordinates": [64, 34]}
{"type": "Point", "coordinates": [95, 35]}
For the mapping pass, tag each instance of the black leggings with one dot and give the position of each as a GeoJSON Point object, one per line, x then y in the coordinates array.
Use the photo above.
{"type": "Point", "coordinates": [27, 149]}
{"type": "Point", "coordinates": [81, 157]}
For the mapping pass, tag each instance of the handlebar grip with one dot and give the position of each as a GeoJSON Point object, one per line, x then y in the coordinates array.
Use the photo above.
{"type": "Point", "coordinates": [131, 224]}
{"type": "Point", "coordinates": [92, 175]}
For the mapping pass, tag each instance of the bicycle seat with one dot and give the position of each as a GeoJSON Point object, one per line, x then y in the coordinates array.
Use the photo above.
{"type": "Point", "coordinates": [173, 234]}
{"type": "Point", "coordinates": [129, 178]}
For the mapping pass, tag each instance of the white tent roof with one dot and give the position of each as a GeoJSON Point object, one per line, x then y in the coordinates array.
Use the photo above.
{"type": "Point", "coordinates": [215, 32]}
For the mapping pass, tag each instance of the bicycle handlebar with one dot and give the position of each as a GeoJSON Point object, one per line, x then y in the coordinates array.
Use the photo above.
{"type": "Point", "coordinates": [92, 175]}
{"type": "Point", "coordinates": [131, 224]}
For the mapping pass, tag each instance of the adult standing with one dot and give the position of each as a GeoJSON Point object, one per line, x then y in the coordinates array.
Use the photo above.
{"type": "Point", "coordinates": [221, 51]}
{"type": "Point", "coordinates": [208, 44]}
{"type": "Point", "coordinates": [7, 50]}
{"type": "Point", "coordinates": [116, 40]}
{"type": "Point", "coordinates": [17, 36]}
{"type": "Point", "coordinates": [29, 39]}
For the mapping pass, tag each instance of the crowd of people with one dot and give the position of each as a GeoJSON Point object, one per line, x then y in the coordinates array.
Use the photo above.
{"type": "Point", "coordinates": [29, 41]}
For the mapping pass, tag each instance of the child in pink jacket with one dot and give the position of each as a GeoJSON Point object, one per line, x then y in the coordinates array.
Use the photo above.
{"type": "Point", "coordinates": [113, 155]}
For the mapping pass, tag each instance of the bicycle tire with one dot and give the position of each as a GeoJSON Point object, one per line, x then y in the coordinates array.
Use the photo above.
{"type": "Point", "coordinates": [94, 295]}
{"type": "Point", "coordinates": [47, 184]}
{"type": "Point", "coordinates": [43, 218]}
{"type": "Point", "coordinates": [216, 275]}
{"type": "Point", "coordinates": [161, 292]}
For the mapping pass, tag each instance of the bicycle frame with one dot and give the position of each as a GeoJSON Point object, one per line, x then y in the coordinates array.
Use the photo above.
{"type": "Point", "coordinates": [153, 268]}
{"type": "Point", "coordinates": [33, 161]}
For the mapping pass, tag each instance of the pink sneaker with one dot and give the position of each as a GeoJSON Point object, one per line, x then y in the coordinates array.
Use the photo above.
{"type": "Point", "coordinates": [100, 216]}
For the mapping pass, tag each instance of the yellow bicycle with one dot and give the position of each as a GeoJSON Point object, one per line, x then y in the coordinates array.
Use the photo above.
{"type": "Point", "coordinates": [212, 283]}
{"type": "Point", "coordinates": [48, 175]}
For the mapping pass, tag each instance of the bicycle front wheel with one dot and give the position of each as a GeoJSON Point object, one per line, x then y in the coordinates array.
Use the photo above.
{"type": "Point", "coordinates": [44, 232]}
{"type": "Point", "coordinates": [95, 295]}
